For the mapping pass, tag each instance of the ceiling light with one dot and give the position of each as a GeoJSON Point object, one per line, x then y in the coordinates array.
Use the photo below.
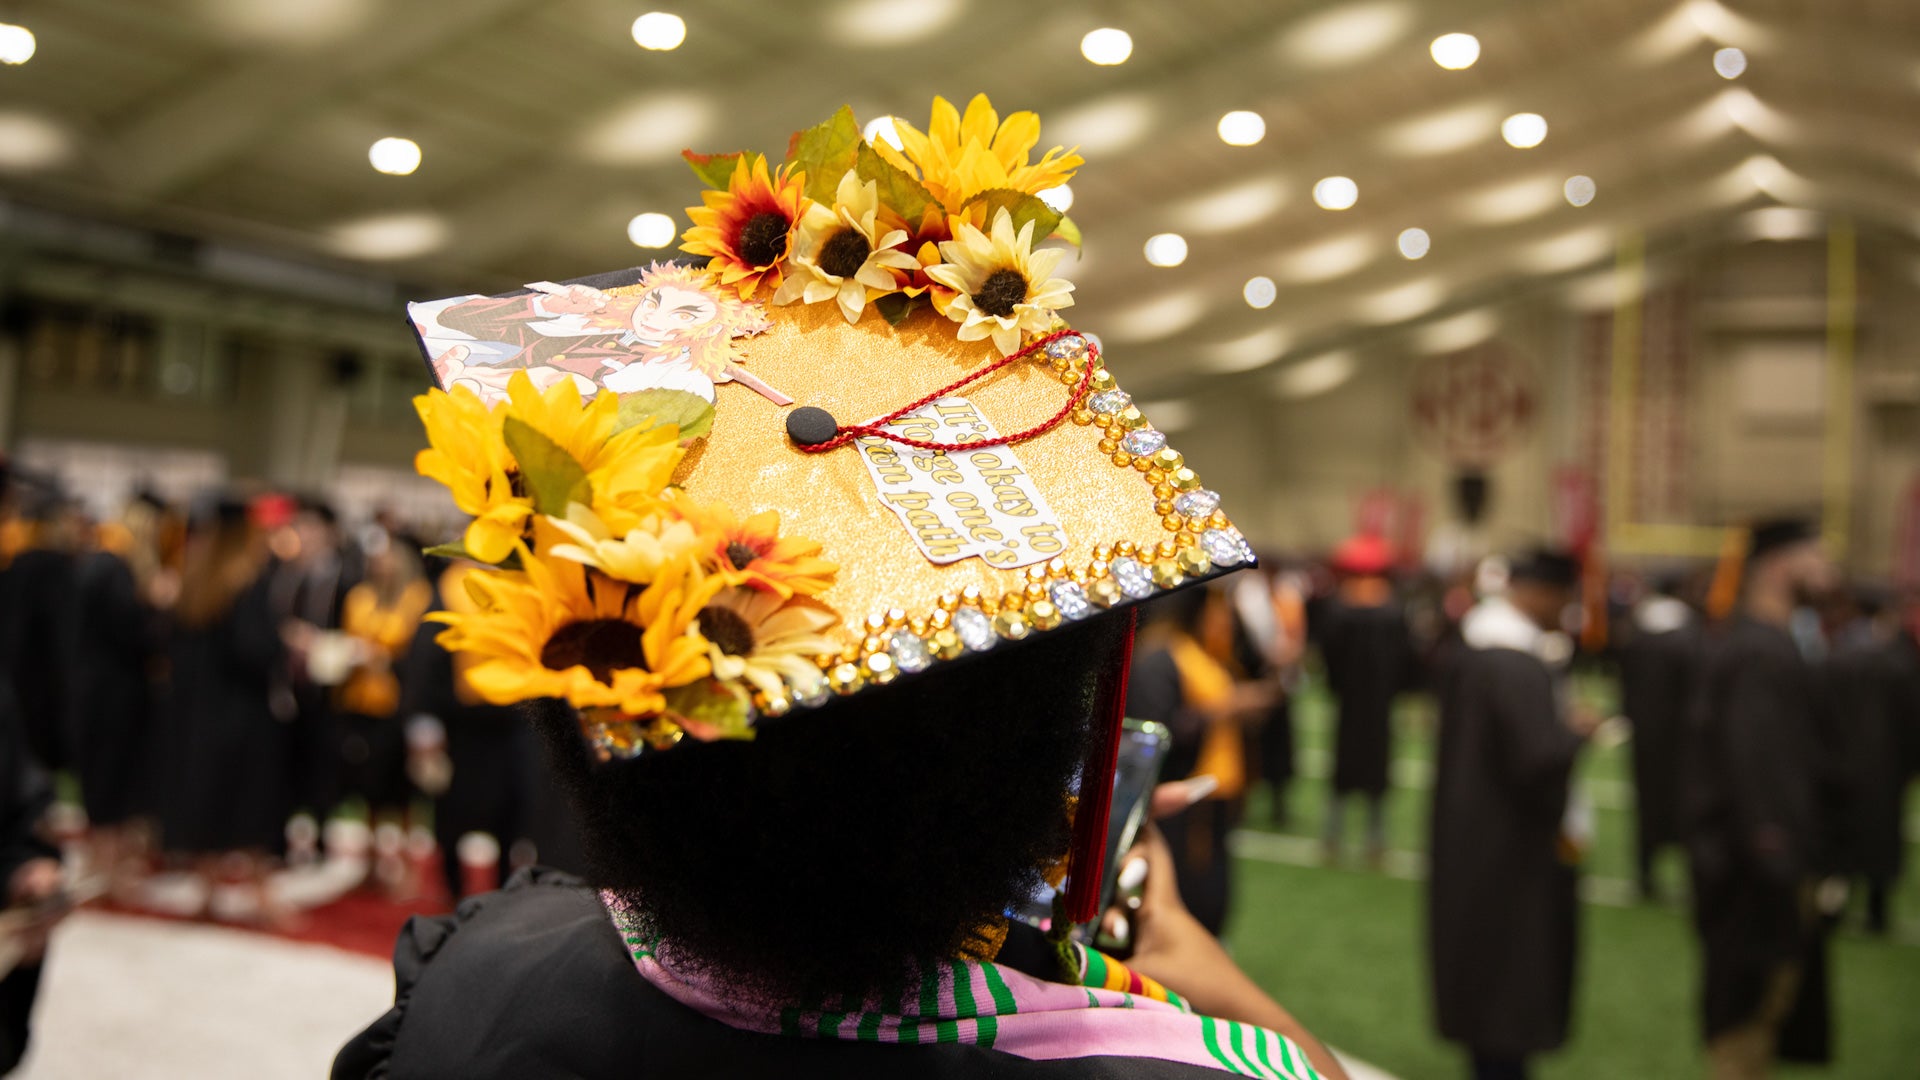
{"type": "Point", "coordinates": [1107, 125]}
{"type": "Point", "coordinates": [1107, 46]}
{"type": "Point", "coordinates": [1167, 249]}
{"type": "Point", "coordinates": [16, 44]}
{"type": "Point", "coordinates": [1328, 259]}
{"type": "Point", "coordinates": [1311, 378]}
{"type": "Point", "coordinates": [1408, 301]}
{"type": "Point", "coordinates": [1567, 252]}
{"type": "Point", "coordinates": [1242, 128]}
{"type": "Point", "coordinates": [1781, 223]}
{"type": "Point", "coordinates": [1442, 132]}
{"type": "Point", "coordinates": [1347, 33]}
{"type": "Point", "coordinates": [880, 129]}
{"type": "Point", "coordinates": [646, 130]}
{"type": "Point", "coordinates": [892, 22]}
{"type": "Point", "coordinates": [651, 230]}
{"type": "Point", "coordinates": [1336, 193]}
{"type": "Point", "coordinates": [659, 31]}
{"type": "Point", "coordinates": [1244, 354]}
{"type": "Point", "coordinates": [1159, 319]}
{"type": "Point", "coordinates": [1513, 201]}
{"type": "Point", "coordinates": [1455, 52]}
{"type": "Point", "coordinates": [1524, 131]}
{"type": "Point", "coordinates": [1260, 292]}
{"type": "Point", "coordinates": [1458, 332]}
{"type": "Point", "coordinates": [1415, 243]}
{"type": "Point", "coordinates": [1579, 190]}
{"type": "Point", "coordinates": [1228, 209]}
{"type": "Point", "coordinates": [1060, 198]}
{"type": "Point", "coordinates": [394, 156]}
{"type": "Point", "coordinates": [29, 141]}
{"type": "Point", "coordinates": [1729, 62]}
{"type": "Point", "coordinates": [391, 236]}
{"type": "Point", "coordinates": [307, 25]}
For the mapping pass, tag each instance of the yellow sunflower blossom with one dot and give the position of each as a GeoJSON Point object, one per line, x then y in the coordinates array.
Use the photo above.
{"type": "Point", "coordinates": [557, 629]}
{"type": "Point", "coordinates": [658, 538]}
{"type": "Point", "coordinates": [958, 157]}
{"type": "Point", "coordinates": [746, 231]}
{"type": "Point", "coordinates": [467, 453]}
{"type": "Point", "coordinates": [1002, 286]}
{"type": "Point", "coordinates": [755, 553]}
{"type": "Point", "coordinates": [766, 639]}
{"type": "Point", "coordinates": [628, 469]}
{"type": "Point", "coordinates": [840, 252]}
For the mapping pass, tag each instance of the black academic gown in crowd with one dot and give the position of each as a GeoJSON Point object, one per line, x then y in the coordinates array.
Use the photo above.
{"type": "Point", "coordinates": [25, 793]}
{"type": "Point", "coordinates": [227, 787]}
{"type": "Point", "coordinates": [1656, 673]}
{"type": "Point", "coordinates": [1753, 768]}
{"type": "Point", "coordinates": [37, 638]}
{"type": "Point", "coordinates": [113, 703]}
{"type": "Point", "coordinates": [533, 981]}
{"type": "Point", "coordinates": [312, 592]}
{"type": "Point", "coordinates": [1369, 658]}
{"type": "Point", "coordinates": [1501, 903]}
{"type": "Point", "coordinates": [1197, 836]}
{"type": "Point", "coordinates": [1868, 758]}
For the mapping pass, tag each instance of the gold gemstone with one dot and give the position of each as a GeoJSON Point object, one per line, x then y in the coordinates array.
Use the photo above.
{"type": "Point", "coordinates": [1166, 574]}
{"type": "Point", "coordinates": [779, 705]}
{"type": "Point", "coordinates": [1186, 539]}
{"type": "Point", "coordinates": [1013, 600]}
{"type": "Point", "coordinates": [1036, 590]}
{"type": "Point", "coordinates": [1184, 479]}
{"type": "Point", "coordinates": [1143, 464]}
{"type": "Point", "coordinates": [1163, 507]}
{"type": "Point", "coordinates": [1162, 489]}
{"type": "Point", "coordinates": [1192, 560]}
{"type": "Point", "coordinates": [949, 601]}
{"type": "Point", "coordinates": [1036, 572]}
{"type": "Point", "coordinates": [969, 595]}
{"type": "Point", "coordinates": [1169, 459]}
{"type": "Point", "coordinates": [846, 678]}
{"type": "Point", "coordinates": [1097, 568]}
{"type": "Point", "coordinates": [1131, 418]}
{"type": "Point", "coordinates": [1164, 549]}
{"type": "Point", "coordinates": [850, 654]}
{"type": "Point", "coordinates": [918, 627]}
{"type": "Point", "coordinates": [1109, 446]}
{"type": "Point", "coordinates": [881, 668]}
{"type": "Point", "coordinates": [1104, 592]}
{"type": "Point", "coordinates": [1219, 519]}
{"type": "Point", "coordinates": [1102, 380]}
{"type": "Point", "coordinates": [941, 617]}
{"type": "Point", "coordinates": [1083, 417]}
{"type": "Point", "coordinates": [1125, 547]}
{"type": "Point", "coordinates": [1056, 566]}
{"type": "Point", "coordinates": [876, 622]}
{"type": "Point", "coordinates": [1173, 523]}
{"type": "Point", "coordinates": [1043, 615]}
{"type": "Point", "coordinates": [1123, 460]}
{"type": "Point", "coordinates": [872, 644]}
{"type": "Point", "coordinates": [896, 617]}
{"type": "Point", "coordinates": [1011, 625]}
{"type": "Point", "coordinates": [945, 644]}
{"type": "Point", "coordinates": [1102, 421]}
{"type": "Point", "coordinates": [1156, 476]}
{"type": "Point", "coordinates": [1102, 552]}
{"type": "Point", "coordinates": [1069, 377]}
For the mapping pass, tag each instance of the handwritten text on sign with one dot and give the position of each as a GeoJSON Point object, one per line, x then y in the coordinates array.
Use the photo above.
{"type": "Point", "coordinates": [961, 503]}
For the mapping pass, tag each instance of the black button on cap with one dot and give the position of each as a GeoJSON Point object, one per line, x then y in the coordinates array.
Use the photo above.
{"type": "Point", "coordinates": [809, 425]}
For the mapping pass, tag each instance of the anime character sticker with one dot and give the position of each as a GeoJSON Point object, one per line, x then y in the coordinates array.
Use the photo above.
{"type": "Point", "coordinates": [674, 330]}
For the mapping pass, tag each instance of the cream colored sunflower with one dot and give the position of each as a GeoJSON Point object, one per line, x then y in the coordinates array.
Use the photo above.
{"type": "Point", "coordinates": [657, 539]}
{"type": "Point", "coordinates": [839, 253]}
{"type": "Point", "coordinates": [1004, 286]}
{"type": "Point", "coordinates": [755, 635]}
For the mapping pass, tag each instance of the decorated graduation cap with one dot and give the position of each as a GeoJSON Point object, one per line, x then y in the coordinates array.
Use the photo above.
{"type": "Point", "coordinates": [856, 442]}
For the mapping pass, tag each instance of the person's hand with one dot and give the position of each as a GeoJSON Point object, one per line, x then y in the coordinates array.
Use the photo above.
{"type": "Point", "coordinates": [575, 300]}
{"type": "Point", "coordinates": [1174, 796]}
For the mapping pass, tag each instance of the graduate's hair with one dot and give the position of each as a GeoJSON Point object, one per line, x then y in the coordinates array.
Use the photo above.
{"type": "Point", "coordinates": [847, 849]}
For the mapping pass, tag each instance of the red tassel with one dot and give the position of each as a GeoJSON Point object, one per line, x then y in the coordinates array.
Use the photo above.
{"type": "Point", "coordinates": [1087, 859]}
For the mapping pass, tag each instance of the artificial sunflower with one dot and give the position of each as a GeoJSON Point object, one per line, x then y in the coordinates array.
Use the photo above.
{"type": "Point", "coordinates": [467, 453]}
{"type": "Point", "coordinates": [747, 230]}
{"type": "Point", "coordinates": [659, 538]}
{"type": "Point", "coordinates": [755, 553]}
{"type": "Point", "coordinates": [627, 469]}
{"type": "Point", "coordinates": [1003, 286]}
{"type": "Point", "coordinates": [765, 639]}
{"type": "Point", "coordinates": [958, 157]}
{"type": "Point", "coordinates": [557, 629]}
{"type": "Point", "coordinates": [839, 253]}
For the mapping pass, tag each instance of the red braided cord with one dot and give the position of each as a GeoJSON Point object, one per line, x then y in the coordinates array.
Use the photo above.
{"type": "Point", "coordinates": [877, 428]}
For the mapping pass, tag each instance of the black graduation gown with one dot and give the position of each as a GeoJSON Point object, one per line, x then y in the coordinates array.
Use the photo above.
{"type": "Point", "coordinates": [25, 793]}
{"type": "Point", "coordinates": [37, 638]}
{"type": "Point", "coordinates": [1656, 673]}
{"type": "Point", "coordinates": [113, 704]}
{"type": "Point", "coordinates": [1752, 768]}
{"type": "Point", "coordinates": [1501, 905]}
{"type": "Point", "coordinates": [1197, 836]}
{"type": "Point", "coordinates": [533, 981]}
{"type": "Point", "coordinates": [1369, 659]}
{"type": "Point", "coordinates": [1868, 759]}
{"type": "Point", "coordinates": [227, 787]}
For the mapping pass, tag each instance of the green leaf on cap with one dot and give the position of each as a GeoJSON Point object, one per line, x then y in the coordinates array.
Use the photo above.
{"type": "Point", "coordinates": [1023, 207]}
{"type": "Point", "coordinates": [1068, 231]}
{"type": "Point", "coordinates": [825, 153]}
{"type": "Point", "coordinates": [895, 307]}
{"type": "Point", "coordinates": [899, 191]}
{"type": "Point", "coordinates": [716, 170]}
{"type": "Point", "coordinates": [457, 549]}
{"type": "Point", "coordinates": [711, 704]}
{"type": "Point", "coordinates": [691, 413]}
{"type": "Point", "coordinates": [552, 477]}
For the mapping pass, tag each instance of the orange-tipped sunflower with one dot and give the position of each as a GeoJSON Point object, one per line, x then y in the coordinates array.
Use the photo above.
{"type": "Point", "coordinates": [752, 552]}
{"type": "Point", "coordinates": [747, 229]}
{"type": "Point", "coordinates": [560, 630]}
{"type": "Point", "coordinates": [958, 157]}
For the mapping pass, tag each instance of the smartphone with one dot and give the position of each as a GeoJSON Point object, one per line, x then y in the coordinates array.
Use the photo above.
{"type": "Point", "coordinates": [1143, 751]}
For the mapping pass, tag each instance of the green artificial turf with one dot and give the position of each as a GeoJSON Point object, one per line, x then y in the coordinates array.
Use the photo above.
{"type": "Point", "coordinates": [1343, 946]}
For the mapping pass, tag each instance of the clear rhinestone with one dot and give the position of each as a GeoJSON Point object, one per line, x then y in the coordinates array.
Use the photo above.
{"type": "Point", "coordinates": [1224, 547]}
{"type": "Point", "coordinates": [1197, 503]}
{"type": "Point", "coordinates": [1071, 599]}
{"type": "Point", "coordinates": [909, 651]}
{"type": "Point", "coordinates": [1133, 577]}
{"type": "Point", "coordinates": [1109, 402]}
{"type": "Point", "coordinates": [1144, 443]}
{"type": "Point", "coordinates": [1071, 347]}
{"type": "Point", "coordinates": [811, 691]}
{"type": "Point", "coordinates": [975, 629]}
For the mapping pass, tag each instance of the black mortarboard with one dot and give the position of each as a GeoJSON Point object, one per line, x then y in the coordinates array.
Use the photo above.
{"type": "Point", "coordinates": [1775, 534]}
{"type": "Point", "coordinates": [1547, 566]}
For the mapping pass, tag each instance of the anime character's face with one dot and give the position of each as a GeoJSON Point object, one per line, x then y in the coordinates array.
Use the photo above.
{"type": "Point", "coordinates": [671, 311]}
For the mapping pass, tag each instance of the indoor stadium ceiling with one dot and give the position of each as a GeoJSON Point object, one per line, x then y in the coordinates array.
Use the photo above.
{"type": "Point", "coordinates": [545, 129]}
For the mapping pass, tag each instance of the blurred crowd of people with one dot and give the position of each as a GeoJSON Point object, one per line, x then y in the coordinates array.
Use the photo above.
{"type": "Point", "coordinates": [1772, 715]}
{"type": "Point", "coordinates": [214, 682]}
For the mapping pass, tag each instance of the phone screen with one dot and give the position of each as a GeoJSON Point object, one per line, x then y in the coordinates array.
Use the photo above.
{"type": "Point", "coordinates": [1143, 750]}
